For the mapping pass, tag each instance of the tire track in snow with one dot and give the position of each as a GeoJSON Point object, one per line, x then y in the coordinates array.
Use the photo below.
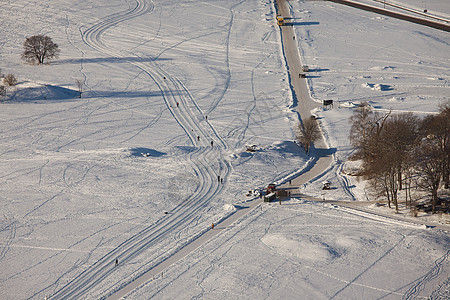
{"type": "Point", "coordinates": [190, 118]}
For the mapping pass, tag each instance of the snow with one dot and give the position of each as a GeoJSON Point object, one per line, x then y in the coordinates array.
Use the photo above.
{"type": "Point", "coordinates": [77, 191]}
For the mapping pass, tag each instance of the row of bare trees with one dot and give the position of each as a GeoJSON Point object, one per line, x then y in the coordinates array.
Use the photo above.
{"type": "Point", "coordinates": [399, 151]}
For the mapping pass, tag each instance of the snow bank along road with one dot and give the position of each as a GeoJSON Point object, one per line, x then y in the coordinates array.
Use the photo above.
{"type": "Point", "coordinates": [409, 18]}
{"type": "Point", "coordinates": [203, 159]}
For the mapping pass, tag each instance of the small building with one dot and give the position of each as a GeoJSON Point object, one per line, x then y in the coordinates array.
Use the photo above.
{"type": "Point", "coordinates": [270, 197]}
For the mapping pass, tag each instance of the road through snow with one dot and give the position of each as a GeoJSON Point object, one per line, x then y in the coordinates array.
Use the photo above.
{"type": "Point", "coordinates": [305, 104]}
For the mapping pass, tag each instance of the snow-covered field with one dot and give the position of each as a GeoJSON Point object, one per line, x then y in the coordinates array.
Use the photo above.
{"type": "Point", "coordinates": [358, 56]}
{"type": "Point", "coordinates": [76, 192]}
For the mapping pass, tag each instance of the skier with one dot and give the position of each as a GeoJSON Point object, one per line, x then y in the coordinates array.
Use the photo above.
{"type": "Point", "coordinates": [212, 226]}
{"type": "Point", "coordinates": [178, 104]}
{"type": "Point", "coordinates": [212, 143]}
{"type": "Point", "coordinates": [218, 178]}
{"type": "Point", "coordinates": [117, 262]}
{"type": "Point", "coordinates": [198, 138]}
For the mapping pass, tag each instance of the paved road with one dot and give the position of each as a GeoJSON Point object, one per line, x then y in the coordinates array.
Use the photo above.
{"type": "Point", "coordinates": [301, 93]}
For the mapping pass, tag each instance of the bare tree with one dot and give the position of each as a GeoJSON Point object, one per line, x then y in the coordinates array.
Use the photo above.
{"type": "Point", "coordinates": [362, 126]}
{"type": "Point", "coordinates": [365, 130]}
{"type": "Point", "coordinates": [385, 149]}
{"type": "Point", "coordinates": [429, 170]}
{"type": "Point", "coordinates": [436, 130]}
{"type": "Point", "coordinates": [37, 48]}
{"type": "Point", "coordinates": [307, 133]}
{"type": "Point", "coordinates": [79, 84]}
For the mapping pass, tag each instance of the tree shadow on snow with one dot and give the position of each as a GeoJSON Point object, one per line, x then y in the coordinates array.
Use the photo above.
{"type": "Point", "coordinates": [322, 152]}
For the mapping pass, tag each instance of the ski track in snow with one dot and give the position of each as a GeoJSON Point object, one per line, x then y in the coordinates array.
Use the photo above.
{"type": "Point", "coordinates": [207, 162]}
{"type": "Point", "coordinates": [414, 290]}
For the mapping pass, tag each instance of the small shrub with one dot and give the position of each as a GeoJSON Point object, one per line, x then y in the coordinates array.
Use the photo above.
{"type": "Point", "coordinates": [10, 80]}
{"type": "Point", "coordinates": [2, 90]}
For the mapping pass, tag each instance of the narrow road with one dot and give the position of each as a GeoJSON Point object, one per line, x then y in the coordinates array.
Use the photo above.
{"type": "Point", "coordinates": [302, 97]}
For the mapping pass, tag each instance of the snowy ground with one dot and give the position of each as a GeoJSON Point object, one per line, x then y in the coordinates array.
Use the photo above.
{"type": "Point", "coordinates": [76, 192]}
{"type": "Point", "coordinates": [304, 250]}
{"type": "Point", "coordinates": [358, 56]}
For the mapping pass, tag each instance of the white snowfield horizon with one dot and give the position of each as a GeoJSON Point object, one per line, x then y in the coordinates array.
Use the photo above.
{"type": "Point", "coordinates": [154, 151]}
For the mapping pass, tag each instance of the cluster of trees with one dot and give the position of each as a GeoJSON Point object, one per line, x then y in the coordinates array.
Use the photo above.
{"type": "Point", "coordinates": [401, 151]}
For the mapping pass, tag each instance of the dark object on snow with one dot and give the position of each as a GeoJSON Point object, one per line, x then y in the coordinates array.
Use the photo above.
{"type": "Point", "coordinates": [326, 185]}
{"type": "Point", "coordinates": [269, 197]}
{"type": "Point", "coordinates": [327, 103]}
{"type": "Point", "coordinates": [271, 188]}
{"type": "Point", "coordinates": [251, 148]}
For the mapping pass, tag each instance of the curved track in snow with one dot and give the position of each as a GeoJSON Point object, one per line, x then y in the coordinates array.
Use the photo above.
{"type": "Point", "coordinates": [206, 161]}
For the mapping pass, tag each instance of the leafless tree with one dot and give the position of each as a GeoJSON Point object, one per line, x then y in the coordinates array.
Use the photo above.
{"type": "Point", "coordinates": [79, 84]}
{"type": "Point", "coordinates": [307, 133]}
{"type": "Point", "coordinates": [385, 149]}
{"type": "Point", "coordinates": [436, 131]}
{"type": "Point", "coordinates": [429, 166]}
{"type": "Point", "coordinates": [37, 48]}
{"type": "Point", "coordinates": [366, 127]}
{"type": "Point", "coordinates": [361, 129]}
